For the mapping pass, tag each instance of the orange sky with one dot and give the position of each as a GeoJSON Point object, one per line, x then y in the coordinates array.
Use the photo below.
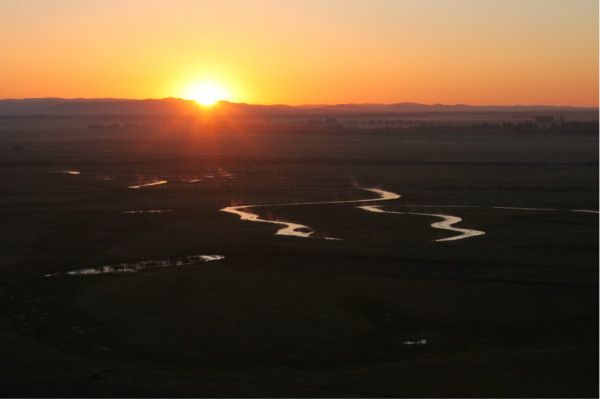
{"type": "Point", "coordinates": [310, 51]}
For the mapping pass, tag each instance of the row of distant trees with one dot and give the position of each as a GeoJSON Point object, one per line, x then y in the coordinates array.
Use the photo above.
{"type": "Point", "coordinates": [372, 126]}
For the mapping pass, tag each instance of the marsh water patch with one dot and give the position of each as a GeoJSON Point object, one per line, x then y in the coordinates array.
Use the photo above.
{"type": "Point", "coordinates": [72, 172]}
{"type": "Point", "coordinates": [150, 211]}
{"type": "Point", "coordinates": [149, 184]}
{"type": "Point", "coordinates": [136, 267]}
{"type": "Point", "coordinates": [421, 341]}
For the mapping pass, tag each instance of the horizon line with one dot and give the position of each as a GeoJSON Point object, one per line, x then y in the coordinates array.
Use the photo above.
{"type": "Point", "coordinates": [303, 104]}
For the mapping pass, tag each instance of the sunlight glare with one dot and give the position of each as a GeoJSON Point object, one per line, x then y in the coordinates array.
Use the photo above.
{"type": "Point", "coordinates": [206, 93]}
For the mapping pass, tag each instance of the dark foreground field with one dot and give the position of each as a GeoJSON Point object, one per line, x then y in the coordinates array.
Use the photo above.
{"type": "Point", "coordinates": [513, 312]}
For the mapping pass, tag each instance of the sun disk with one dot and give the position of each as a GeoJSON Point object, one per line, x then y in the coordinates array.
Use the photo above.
{"type": "Point", "coordinates": [206, 93]}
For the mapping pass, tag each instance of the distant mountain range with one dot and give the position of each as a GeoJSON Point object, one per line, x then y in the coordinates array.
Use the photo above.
{"type": "Point", "coordinates": [176, 106]}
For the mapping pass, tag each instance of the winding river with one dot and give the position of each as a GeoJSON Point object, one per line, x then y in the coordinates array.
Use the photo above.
{"type": "Point", "coordinates": [447, 223]}
{"type": "Point", "coordinates": [296, 229]}
{"type": "Point", "coordinates": [510, 208]}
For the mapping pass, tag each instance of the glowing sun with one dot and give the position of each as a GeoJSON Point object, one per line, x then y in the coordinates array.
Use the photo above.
{"type": "Point", "coordinates": [206, 93]}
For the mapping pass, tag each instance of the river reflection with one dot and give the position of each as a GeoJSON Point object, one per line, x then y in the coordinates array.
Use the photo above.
{"type": "Point", "coordinates": [296, 229]}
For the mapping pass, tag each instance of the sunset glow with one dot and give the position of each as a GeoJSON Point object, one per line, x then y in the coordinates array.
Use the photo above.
{"type": "Point", "coordinates": [283, 198]}
{"type": "Point", "coordinates": [501, 52]}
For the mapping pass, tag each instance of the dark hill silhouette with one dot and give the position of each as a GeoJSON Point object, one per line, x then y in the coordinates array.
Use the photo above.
{"type": "Point", "coordinates": [177, 106]}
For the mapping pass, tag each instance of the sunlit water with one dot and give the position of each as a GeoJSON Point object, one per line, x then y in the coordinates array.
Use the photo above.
{"type": "Point", "coordinates": [136, 267]}
{"type": "Point", "coordinates": [137, 211]}
{"type": "Point", "coordinates": [149, 184]}
{"type": "Point", "coordinates": [421, 341]}
{"type": "Point", "coordinates": [447, 223]}
{"type": "Point", "coordinates": [71, 172]}
{"type": "Point", "coordinates": [513, 208]}
{"type": "Point", "coordinates": [296, 229]}
{"type": "Point", "coordinates": [544, 209]}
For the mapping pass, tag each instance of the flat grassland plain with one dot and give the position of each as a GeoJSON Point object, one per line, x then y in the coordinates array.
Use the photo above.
{"type": "Point", "coordinates": [386, 310]}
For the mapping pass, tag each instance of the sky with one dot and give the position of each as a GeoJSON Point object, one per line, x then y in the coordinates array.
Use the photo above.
{"type": "Point", "coordinates": [298, 52]}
